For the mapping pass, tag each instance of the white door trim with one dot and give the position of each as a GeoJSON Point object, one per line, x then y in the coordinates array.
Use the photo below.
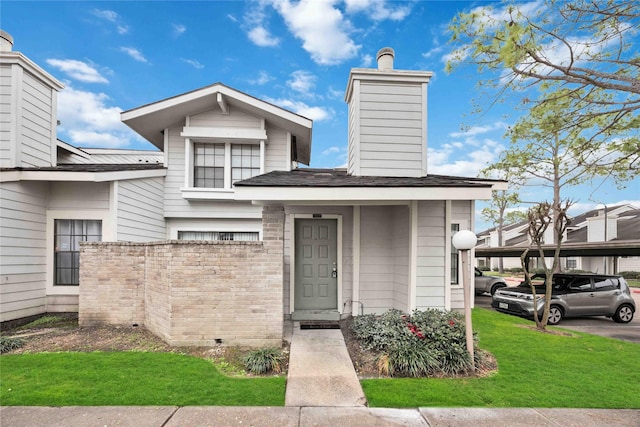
{"type": "Point", "coordinates": [292, 265]}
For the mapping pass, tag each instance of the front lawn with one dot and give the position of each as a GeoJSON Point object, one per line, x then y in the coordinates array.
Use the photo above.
{"type": "Point", "coordinates": [534, 370]}
{"type": "Point", "coordinates": [128, 378]}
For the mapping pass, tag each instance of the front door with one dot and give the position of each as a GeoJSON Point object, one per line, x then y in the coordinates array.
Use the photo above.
{"type": "Point", "coordinates": [316, 264]}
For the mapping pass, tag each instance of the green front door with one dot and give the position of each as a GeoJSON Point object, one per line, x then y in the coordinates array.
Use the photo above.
{"type": "Point", "coordinates": [316, 259]}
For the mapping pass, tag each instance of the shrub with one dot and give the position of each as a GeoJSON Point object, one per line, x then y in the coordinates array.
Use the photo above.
{"type": "Point", "coordinates": [263, 361]}
{"type": "Point", "coordinates": [635, 275]}
{"type": "Point", "coordinates": [430, 342]}
{"type": "Point", "coordinates": [515, 270]}
{"type": "Point", "coordinates": [10, 343]}
{"type": "Point", "coordinates": [484, 268]}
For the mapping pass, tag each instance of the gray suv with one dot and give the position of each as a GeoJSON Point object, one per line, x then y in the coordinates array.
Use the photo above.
{"type": "Point", "coordinates": [573, 295]}
{"type": "Point", "coordinates": [488, 284]}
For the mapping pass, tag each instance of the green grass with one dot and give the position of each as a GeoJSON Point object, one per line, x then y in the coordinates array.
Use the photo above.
{"type": "Point", "coordinates": [128, 378]}
{"type": "Point", "coordinates": [534, 370]}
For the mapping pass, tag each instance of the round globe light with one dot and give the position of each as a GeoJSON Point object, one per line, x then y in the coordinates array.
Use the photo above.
{"type": "Point", "coordinates": [464, 240]}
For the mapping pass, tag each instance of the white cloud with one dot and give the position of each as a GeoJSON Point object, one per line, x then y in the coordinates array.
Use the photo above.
{"type": "Point", "coordinates": [195, 64]}
{"type": "Point", "coordinates": [78, 70]}
{"type": "Point", "coordinates": [331, 150]}
{"type": "Point", "coordinates": [302, 81]}
{"type": "Point", "coordinates": [263, 78]}
{"type": "Point", "coordinates": [134, 53]}
{"type": "Point", "coordinates": [111, 16]}
{"type": "Point", "coordinates": [88, 120]}
{"type": "Point", "coordinates": [440, 161]}
{"type": "Point", "coordinates": [322, 28]}
{"type": "Point", "coordinates": [367, 60]}
{"type": "Point", "coordinates": [378, 10]}
{"type": "Point", "coordinates": [178, 29]}
{"type": "Point", "coordinates": [479, 130]}
{"type": "Point", "coordinates": [313, 113]}
{"type": "Point", "coordinates": [262, 37]}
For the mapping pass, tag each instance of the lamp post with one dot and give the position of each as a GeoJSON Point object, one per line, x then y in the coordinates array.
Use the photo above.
{"type": "Point", "coordinates": [464, 240]}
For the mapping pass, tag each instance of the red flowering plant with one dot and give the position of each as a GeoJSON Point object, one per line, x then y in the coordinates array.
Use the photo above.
{"type": "Point", "coordinates": [424, 343]}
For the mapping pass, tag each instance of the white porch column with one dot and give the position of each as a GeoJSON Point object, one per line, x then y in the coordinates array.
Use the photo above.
{"type": "Point", "coordinates": [413, 254]}
{"type": "Point", "coordinates": [355, 294]}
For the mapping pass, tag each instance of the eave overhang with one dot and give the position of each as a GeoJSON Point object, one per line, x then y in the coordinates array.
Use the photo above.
{"type": "Point", "coordinates": [357, 195]}
{"type": "Point", "coordinates": [79, 176]}
{"type": "Point", "coordinates": [151, 120]}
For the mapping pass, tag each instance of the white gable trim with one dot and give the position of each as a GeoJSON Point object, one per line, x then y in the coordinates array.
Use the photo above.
{"type": "Point", "coordinates": [224, 133]}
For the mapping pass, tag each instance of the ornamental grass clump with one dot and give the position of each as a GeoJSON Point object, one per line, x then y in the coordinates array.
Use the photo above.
{"type": "Point", "coordinates": [425, 343]}
{"type": "Point", "coordinates": [10, 343]}
{"type": "Point", "coordinates": [263, 361]}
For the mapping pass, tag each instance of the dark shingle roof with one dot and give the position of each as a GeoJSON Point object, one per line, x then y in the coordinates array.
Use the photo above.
{"type": "Point", "coordinates": [91, 168]}
{"type": "Point", "coordinates": [339, 178]}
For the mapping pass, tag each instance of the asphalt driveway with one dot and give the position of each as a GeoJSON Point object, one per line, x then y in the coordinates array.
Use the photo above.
{"type": "Point", "coordinates": [602, 326]}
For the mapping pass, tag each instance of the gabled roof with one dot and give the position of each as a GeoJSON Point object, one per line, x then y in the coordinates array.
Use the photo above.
{"type": "Point", "coordinates": [150, 120]}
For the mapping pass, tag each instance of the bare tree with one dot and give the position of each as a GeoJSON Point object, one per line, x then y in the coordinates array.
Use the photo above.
{"type": "Point", "coordinates": [540, 217]}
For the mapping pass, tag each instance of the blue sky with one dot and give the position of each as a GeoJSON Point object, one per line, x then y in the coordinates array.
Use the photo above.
{"type": "Point", "coordinates": [114, 56]}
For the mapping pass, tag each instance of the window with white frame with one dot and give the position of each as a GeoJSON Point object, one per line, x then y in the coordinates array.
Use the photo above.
{"type": "Point", "coordinates": [245, 161]}
{"type": "Point", "coordinates": [220, 165]}
{"type": "Point", "coordinates": [241, 236]}
{"type": "Point", "coordinates": [208, 165]}
{"type": "Point", "coordinates": [68, 233]}
{"type": "Point", "coordinates": [455, 269]}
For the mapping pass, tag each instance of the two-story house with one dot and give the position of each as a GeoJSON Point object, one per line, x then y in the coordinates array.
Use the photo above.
{"type": "Point", "coordinates": [373, 236]}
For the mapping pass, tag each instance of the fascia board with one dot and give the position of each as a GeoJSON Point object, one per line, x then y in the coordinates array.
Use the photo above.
{"type": "Point", "coordinates": [80, 176]}
{"type": "Point", "coordinates": [361, 193]}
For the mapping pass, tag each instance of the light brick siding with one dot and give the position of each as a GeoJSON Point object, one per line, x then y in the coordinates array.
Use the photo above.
{"type": "Point", "coordinates": [189, 293]}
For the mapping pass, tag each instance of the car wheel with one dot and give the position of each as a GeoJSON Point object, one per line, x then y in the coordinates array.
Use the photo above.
{"type": "Point", "coordinates": [497, 286]}
{"type": "Point", "coordinates": [624, 314]}
{"type": "Point", "coordinates": [555, 315]}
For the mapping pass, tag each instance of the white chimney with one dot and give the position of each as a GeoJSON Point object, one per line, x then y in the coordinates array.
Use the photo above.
{"type": "Point", "coordinates": [6, 41]}
{"type": "Point", "coordinates": [385, 58]}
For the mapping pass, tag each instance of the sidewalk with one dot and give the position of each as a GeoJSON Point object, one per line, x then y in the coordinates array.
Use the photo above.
{"type": "Point", "coordinates": [320, 370]}
{"type": "Point", "coordinates": [171, 416]}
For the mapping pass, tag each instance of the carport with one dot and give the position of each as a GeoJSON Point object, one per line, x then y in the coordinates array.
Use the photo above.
{"type": "Point", "coordinates": [592, 249]}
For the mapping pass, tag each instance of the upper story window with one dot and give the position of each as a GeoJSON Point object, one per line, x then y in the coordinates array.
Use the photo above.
{"type": "Point", "coordinates": [245, 161]}
{"type": "Point", "coordinates": [208, 169]}
{"type": "Point", "coordinates": [219, 165]}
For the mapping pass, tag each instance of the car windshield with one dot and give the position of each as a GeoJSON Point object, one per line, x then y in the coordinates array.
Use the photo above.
{"type": "Point", "coordinates": [536, 279]}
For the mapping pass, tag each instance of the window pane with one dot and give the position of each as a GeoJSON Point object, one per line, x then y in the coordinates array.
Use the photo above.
{"type": "Point", "coordinates": [67, 247]}
{"type": "Point", "coordinates": [454, 256]}
{"type": "Point", "coordinates": [63, 226]}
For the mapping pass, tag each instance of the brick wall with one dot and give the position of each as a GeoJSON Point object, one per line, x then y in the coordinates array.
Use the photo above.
{"type": "Point", "coordinates": [189, 293]}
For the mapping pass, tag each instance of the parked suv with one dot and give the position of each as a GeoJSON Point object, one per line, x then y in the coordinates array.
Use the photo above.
{"type": "Point", "coordinates": [573, 295]}
{"type": "Point", "coordinates": [488, 284]}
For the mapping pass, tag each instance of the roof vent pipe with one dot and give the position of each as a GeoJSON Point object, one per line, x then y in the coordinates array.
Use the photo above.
{"type": "Point", "coordinates": [6, 41]}
{"type": "Point", "coordinates": [385, 58]}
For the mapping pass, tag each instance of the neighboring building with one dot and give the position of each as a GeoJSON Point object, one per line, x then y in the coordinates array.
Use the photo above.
{"type": "Point", "coordinates": [48, 202]}
{"type": "Point", "coordinates": [588, 231]}
{"type": "Point", "coordinates": [362, 240]}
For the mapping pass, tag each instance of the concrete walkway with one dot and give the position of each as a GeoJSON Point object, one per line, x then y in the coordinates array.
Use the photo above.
{"type": "Point", "coordinates": [172, 416]}
{"type": "Point", "coordinates": [320, 370]}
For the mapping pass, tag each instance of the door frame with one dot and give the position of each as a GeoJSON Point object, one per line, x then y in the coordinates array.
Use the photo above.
{"type": "Point", "coordinates": [292, 255]}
